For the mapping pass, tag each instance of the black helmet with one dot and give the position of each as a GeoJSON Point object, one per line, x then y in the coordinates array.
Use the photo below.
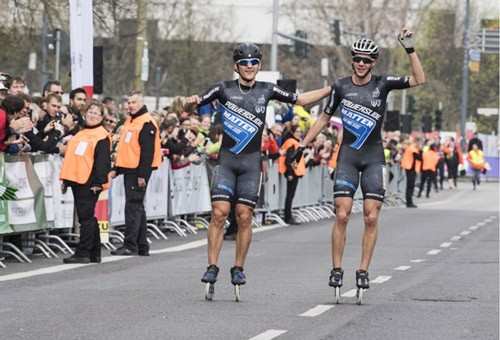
{"type": "Point", "coordinates": [365, 46]}
{"type": "Point", "coordinates": [246, 50]}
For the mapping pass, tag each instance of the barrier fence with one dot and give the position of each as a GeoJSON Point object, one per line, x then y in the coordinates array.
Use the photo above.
{"type": "Point", "coordinates": [176, 200]}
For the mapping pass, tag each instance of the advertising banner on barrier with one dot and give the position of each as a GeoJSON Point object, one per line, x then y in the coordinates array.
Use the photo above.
{"type": "Point", "coordinates": [27, 213]}
{"type": "Point", "coordinates": [155, 202]}
{"type": "Point", "coordinates": [272, 188]}
{"type": "Point", "coordinates": [45, 171]}
{"type": "Point", "coordinates": [4, 222]}
{"type": "Point", "coordinates": [63, 203]}
{"type": "Point", "coordinates": [189, 190]}
{"type": "Point", "coordinates": [116, 202]}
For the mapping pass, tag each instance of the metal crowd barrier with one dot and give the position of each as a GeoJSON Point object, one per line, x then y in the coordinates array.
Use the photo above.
{"type": "Point", "coordinates": [176, 201]}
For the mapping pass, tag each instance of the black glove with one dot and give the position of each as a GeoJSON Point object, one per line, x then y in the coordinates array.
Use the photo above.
{"type": "Point", "coordinates": [297, 154]}
{"type": "Point", "coordinates": [405, 38]}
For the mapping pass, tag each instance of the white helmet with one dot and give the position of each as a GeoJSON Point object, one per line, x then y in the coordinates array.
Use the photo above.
{"type": "Point", "coordinates": [365, 46]}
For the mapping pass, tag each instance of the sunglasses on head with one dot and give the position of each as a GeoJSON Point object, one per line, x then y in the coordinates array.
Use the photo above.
{"type": "Point", "coordinates": [358, 59]}
{"type": "Point", "coordinates": [248, 62]}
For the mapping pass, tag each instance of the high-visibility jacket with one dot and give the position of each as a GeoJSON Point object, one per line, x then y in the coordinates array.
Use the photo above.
{"type": "Point", "coordinates": [408, 158]}
{"type": "Point", "coordinates": [300, 169]}
{"type": "Point", "coordinates": [476, 159]}
{"type": "Point", "coordinates": [129, 150]}
{"type": "Point", "coordinates": [430, 159]}
{"type": "Point", "coordinates": [332, 164]}
{"type": "Point", "coordinates": [79, 157]}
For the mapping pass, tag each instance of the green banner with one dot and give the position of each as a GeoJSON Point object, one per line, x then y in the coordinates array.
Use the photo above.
{"type": "Point", "coordinates": [4, 221]}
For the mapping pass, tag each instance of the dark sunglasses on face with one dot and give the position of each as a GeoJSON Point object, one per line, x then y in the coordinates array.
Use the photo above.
{"type": "Point", "coordinates": [110, 121]}
{"type": "Point", "coordinates": [248, 62]}
{"type": "Point", "coordinates": [358, 59]}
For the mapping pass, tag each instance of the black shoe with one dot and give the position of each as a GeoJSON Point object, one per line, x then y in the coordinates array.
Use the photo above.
{"type": "Point", "coordinates": [76, 259]}
{"type": "Point", "coordinates": [123, 251]}
{"type": "Point", "coordinates": [230, 237]}
{"type": "Point", "coordinates": [143, 252]}
{"type": "Point", "coordinates": [411, 205]}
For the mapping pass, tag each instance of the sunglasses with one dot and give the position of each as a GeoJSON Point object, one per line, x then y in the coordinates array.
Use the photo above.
{"type": "Point", "coordinates": [110, 121]}
{"type": "Point", "coordinates": [358, 59]}
{"type": "Point", "coordinates": [248, 62]}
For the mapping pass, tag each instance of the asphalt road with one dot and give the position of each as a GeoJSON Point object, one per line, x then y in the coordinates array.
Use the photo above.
{"type": "Point", "coordinates": [438, 268]}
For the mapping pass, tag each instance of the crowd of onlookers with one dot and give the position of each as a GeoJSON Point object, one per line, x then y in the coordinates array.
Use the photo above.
{"type": "Point", "coordinates": [45, 123]}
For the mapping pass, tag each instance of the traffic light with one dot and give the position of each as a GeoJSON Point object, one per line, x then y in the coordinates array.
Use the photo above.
{"type": "Point", "coordinates": [426, 123]}
{"type": "Point", "coordinates": [411, 104]}
{"type": "Point", "coordinates": [301, 48]}
{"type": "Point", "coordinates": [438, 120]}
{"type": "Point", "coordinates": [335, 31]}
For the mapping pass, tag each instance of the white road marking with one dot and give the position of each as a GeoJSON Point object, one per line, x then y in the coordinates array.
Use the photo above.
{"type": "Point", "coordinates": [381, 279]}
{"type": "Point", "coordinates": [456, 238]}
{"type": "Point", "coordinates": [453, 248]}
{"type": "Point", "coordinates": [269, 334]}
{"type": "Point", "coordinates": [445, 244]}
{"type": "Point", "coordinates": [402, 268]}
{"type": "Point", "coordinates": [493, 217]}
{"type": "Point", "coordinates": [350, 293]}
{"type": "Point", "coordinates": [107, 259]}
{"type": "Point", "coordinates": [434, 252]}
{"type": "Point", "coordinates": [474, 227]}
{"type": "Point", "coordinates": [465, 232]}
{"type": "Point", "coordinates": [417, 261]}
{"type": "Point", "coordinates": [480, 224]}
{"type": "Point", "coordinates": [315, 311]}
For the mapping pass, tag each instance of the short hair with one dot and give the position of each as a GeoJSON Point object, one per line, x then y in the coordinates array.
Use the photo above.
{"type": "Point", "coordinates": [135, 93]}
{"type": "Point", "coordinates": [74, 92]}
{"type": "Point", "coordinates": [51, 96]}
{"type": "Point", "coordinates": [11, 81]}
{"type": "Point", "coordinates": [12, 104]}
{"type": "Point", "coordinates": [48, 84]}
{"type": "Point", "coordinates": [94, 103]}
{"type": "Point", "coordinates": [106, 100]}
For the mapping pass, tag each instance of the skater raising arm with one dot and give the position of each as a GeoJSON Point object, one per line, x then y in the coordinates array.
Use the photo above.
{"type": "Point", "coordinates": [405, 38]}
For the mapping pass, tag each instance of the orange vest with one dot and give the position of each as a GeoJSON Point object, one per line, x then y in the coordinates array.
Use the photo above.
{"type": "Point", "coordinates": [129, 149]}
{"type": "Point", "coordinates": [476, 159]}
{"type": "Point", "coordinates": [300, 169]}
{"type": "Point", "coordinates": [430, 160]}
{"type": "Point", "coordinates": [408, 158]}
{"type": "Point", "coordinates": [79, 157]}
{"type": "Point", "coordinates": [333, 161]}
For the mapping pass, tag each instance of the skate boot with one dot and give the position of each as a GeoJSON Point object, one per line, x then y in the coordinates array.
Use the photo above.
{"type": "Point", "coordinates": [210, 277]}
{"type": "Point", "coordinates": [362, 283]}
{"type": "Point", "coordinates": [336, 281]}
{"type": "Point", "coordinates": [237, 279]}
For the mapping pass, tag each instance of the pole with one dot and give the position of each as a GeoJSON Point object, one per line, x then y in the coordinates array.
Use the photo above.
{"type": "Point", "coordinates": [139, 44]}
{"type": "Point", "coordinates": [158, 83]}
{"type": "Point", "coordinates": [274, 46]}
{"type": "Point", "coordinates": [465, 75]}
{"type": "Point", "coordinates": [403, 102]}
{"type": "Point", "coordinates": [45, 30]}
{"type": "Point", "coordinates": [58, 53]}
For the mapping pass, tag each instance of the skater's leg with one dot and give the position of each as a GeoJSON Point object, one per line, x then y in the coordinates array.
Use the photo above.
{"type": "Point", "coordinates": [244, 215]}
{"type": "Point", "coordinates": [343, 207]}
{"type": "Point", "coordinates": [371, 212]}
{"type": "Point", "coordinates": [220, 211]}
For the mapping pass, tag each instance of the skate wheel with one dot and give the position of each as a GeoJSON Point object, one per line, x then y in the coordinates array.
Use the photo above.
{"type": "Point", "coordinates": [337, 295]}
{"type": "Point", "coordinates": [237, 293]}
{"type": "Point", "coordinates": [209, 291]}
{"type": "Point", "coordinates": [359, 296]}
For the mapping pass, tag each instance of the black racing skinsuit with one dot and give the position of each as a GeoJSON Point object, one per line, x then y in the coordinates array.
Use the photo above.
{"type": "Point", "coordinates": [237, 177]}
{"type": "Point", "coordinates": [362, 111]}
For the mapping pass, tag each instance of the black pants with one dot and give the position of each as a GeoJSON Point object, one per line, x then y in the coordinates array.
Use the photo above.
{"type": "Point", "coordinates": [90, 240]}
{"type": "Point", "coordinates": [135, 214]}
{"type": "Point", "coordinates": [410, 185]}
{"type": "Point", "coordinates": [429, 178]}
{"type": "Point", "coordinates": [440, 170]}
{"type": "Point", "coordinates": [291, 187]}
